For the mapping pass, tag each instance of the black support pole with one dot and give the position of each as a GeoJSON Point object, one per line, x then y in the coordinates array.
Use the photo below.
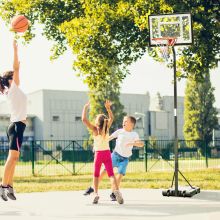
{"type": "Point", "coordinates": [175, 123]}
{"type": "Point", "coordinates": [176, 190]}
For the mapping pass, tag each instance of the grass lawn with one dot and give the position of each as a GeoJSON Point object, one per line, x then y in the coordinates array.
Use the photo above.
{"type": "Point", "coordinates": [51, 168]}
{"type": "Point", "coordinates": [207, 179]}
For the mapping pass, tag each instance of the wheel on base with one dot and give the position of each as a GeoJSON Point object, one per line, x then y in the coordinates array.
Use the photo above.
{"type": "Point", "coordinates": [166, 192]}
{"type": "Point", "coordinates": [184, 193]}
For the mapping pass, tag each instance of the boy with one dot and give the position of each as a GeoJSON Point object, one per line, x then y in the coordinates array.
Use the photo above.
{"type": "Point", "coordinates": [126, 138]}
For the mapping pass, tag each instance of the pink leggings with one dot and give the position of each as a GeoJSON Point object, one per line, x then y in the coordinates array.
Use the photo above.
{"type": "Point", "coordinates": [100, 158]}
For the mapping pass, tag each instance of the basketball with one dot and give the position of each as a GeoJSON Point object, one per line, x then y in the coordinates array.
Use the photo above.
{"type": "Point", "coordinates": [19, 23]}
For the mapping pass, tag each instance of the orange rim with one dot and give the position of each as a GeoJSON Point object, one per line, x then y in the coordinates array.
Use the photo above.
{"type": "Point", "coordinates": [170, 40]}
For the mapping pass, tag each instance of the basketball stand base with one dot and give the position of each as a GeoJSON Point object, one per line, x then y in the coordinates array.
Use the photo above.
{"type": "Point", "coordinates": [182, 191]}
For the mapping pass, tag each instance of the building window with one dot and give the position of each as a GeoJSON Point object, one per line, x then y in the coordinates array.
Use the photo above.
{"type": "Point", "coordinates": [56, 118]}
{"type": "Point", "coordinates": [77, 118]}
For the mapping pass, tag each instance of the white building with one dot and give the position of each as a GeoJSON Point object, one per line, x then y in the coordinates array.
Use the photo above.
{"type": "Point", "coordinates": [56, 115]}
{"type": "Point", "coordinates": [161, 117]}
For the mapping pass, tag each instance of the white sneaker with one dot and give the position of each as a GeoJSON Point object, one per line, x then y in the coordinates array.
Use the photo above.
{"type": "Point", "coordinates": [95, 198]}
{"type": "Point", "coordinates": [3, 193]}
{"type": "Point", "coordinates": [11, 193]}
{"type": "Point", "coordinates": [119, 197]}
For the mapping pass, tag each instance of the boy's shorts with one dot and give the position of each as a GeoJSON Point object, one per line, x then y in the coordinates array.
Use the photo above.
{"type": "Point", "coordinates": [120, 162]}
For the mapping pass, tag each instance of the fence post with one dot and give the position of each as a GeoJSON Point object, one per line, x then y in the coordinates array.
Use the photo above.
{"type": "Point", "coordinates": [73, 159]}
{"type": "Point", "coordinates": [206, 154]}
{"type": "Point", "coordinates": [145, 154]}
{"type": "Point", "coordinates": [32, 156]}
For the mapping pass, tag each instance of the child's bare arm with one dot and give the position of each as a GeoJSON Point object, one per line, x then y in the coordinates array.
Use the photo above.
{"type": "Point", "coordinates": [85, 120]}
{"type": "Point", "coordinates": [111, 138]}
{"type": "Point", "coordinates": [110, 114]}
{"type": "Point", "coordinates": [137, 143]}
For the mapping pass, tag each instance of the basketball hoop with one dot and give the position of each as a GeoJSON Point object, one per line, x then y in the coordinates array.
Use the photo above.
{"type": "Point", "coordinates": [165, 31]}
{"type": "Point", "coordinates": [163, 43]}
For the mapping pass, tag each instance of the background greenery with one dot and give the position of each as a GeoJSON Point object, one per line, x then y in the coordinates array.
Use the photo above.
{"type": "Point", "coordinates": [205, 179]}
{"type": "Point", "coordinates": [106, 36]}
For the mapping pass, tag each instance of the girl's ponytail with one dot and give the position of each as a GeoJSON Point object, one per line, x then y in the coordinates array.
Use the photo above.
{"type": "Point", "coordinates": [105, 127]}
{"type": "Point", "coordinates": [4, 80]}
{"type": "Point", "coordinates": [3, 84]}
{"type": "Point", "coordinates": [102, 123]}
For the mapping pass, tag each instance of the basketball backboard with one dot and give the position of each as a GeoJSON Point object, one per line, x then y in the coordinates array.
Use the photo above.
{"type": "Point", "coordinates": [177, 26]}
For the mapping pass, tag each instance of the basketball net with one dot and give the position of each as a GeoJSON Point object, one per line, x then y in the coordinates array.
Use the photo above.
{"type": "Point", "coordinates": [163, 44]}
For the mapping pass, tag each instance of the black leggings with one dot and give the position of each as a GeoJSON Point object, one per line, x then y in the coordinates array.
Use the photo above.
{"type": "Point", "coordinates": [15, 133]}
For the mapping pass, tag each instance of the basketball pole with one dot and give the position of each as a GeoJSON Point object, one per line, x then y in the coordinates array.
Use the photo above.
{"type": "Point", "coordinates": [176, 190]}
{"type": "Point", "coordinates": [175, 122]}
{"type": "Point", "coordinates": [165, 35]}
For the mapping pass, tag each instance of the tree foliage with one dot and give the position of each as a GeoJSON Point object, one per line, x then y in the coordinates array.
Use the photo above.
{"type": "Point", "coordinates": [200, 115]}
{"type": "Point", "coordinates": [196, 60]}
{"type": "Point", "coordinates": [108, 35]}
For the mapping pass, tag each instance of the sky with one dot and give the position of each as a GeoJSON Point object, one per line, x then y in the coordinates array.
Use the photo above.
{"type": "Point", "coordinates": [38, 72]}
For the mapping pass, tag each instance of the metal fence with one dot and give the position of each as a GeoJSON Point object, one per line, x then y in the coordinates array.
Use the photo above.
{"type": "Point", "coordinates": [50, 157]}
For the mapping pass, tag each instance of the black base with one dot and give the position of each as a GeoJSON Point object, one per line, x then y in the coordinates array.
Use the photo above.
{"type": "Point", "coordinates": [182, 191]}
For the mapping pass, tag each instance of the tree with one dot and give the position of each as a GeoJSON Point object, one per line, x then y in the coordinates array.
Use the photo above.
{"type": "Point", "coordinates": [200, 115]}
{"type": "Point", "coordinates": [104, 90]}
{"type": "Point", "coordinates": [108, 35]}
{"type": "Point", "coordinates": [195, 63]}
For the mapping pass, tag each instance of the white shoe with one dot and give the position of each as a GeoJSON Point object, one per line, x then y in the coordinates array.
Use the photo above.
{"type": "Point", "coordinates": [119, 197]}
{"type": "Point", "coordinates": [11, 193]}
{"type": "Point", "coordinates": [3, 193]}
{"type": "Point", "coordinates": [95, 199]}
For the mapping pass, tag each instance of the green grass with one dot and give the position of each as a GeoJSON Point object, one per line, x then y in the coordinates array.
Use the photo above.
{"type": "Point", "coordinates": [208, 179]}
{"type": "Point", "coordinates": [51, 176]}
{"type": "Point", "coordinates": [51, 168]}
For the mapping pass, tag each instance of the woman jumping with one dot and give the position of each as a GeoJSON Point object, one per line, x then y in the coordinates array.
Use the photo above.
{"type": "Point", "coordinates": [9, 86]}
